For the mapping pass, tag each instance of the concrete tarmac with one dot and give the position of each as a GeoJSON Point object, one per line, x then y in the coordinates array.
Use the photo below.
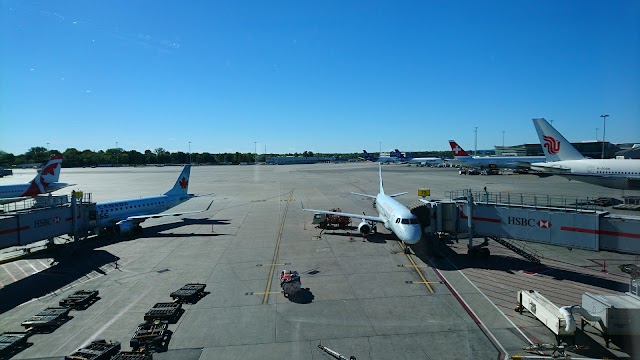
{"type": "Point", "coordinates": [360, 297]}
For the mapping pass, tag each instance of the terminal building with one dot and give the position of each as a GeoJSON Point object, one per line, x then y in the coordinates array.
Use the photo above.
{"type": "Point", "coordinates": [591, 149]}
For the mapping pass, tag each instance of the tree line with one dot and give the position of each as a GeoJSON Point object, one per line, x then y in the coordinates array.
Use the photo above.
{"type": "Point", "coordinates": [118, 156]}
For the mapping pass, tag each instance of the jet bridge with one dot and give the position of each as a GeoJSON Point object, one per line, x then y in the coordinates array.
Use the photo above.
{"type": "Point", "coordinates": [562, 221]}
{"type": "Point", "coordinates": [46, 217]}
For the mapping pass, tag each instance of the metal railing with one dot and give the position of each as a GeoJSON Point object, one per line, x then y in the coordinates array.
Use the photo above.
{"type": "Point", "coordinates": [566, 203]}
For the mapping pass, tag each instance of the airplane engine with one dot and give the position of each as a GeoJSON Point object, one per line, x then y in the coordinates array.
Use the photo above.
{"type": "Point", "coordinates": [364, 228]}
{"type": "Point", "coordinates": [124, 227]}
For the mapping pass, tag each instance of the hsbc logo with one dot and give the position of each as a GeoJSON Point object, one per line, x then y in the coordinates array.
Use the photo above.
{"type": "Point", "coordinates": [521, 221]}
{"type": "Point", "coordinates": [545, 224]}
{"type": "Point", "coordinates": [46, 222]}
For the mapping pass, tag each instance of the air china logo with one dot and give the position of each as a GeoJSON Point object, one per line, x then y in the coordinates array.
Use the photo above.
{"type": "Point", "coordinates": [552, 145]}
{"type": "Point", "coordinates": [184, 182]}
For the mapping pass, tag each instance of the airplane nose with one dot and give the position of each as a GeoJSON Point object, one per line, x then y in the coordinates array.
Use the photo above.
{"type": "Point", "coordinates": [412, 235]}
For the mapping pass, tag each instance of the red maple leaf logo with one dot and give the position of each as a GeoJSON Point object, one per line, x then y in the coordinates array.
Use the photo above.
{"type": "Point", "coordinates": [49, 170]}
{"type": "Point", "coordinates": [184, 182]}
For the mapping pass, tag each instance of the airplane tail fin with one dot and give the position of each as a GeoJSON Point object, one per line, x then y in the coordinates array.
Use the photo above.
{"type": "Point", "coordinates": [399, 154]}
{"type": "Point", "coordinates": [456, 149]}
{"type": "Point", "coordinates": [554, 145]}
{"type": "Point", "coordinates": [380, 173]}
{"type": "Point", "coordinates": [50, 172]}
{"type": "Point", "coordinates": [181, 187]}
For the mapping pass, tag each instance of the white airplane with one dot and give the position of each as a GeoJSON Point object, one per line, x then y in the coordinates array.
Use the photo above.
{"type": "Point", "coordinates": [123, 216]}
{"type": "Point", "coordinates": [422, 161]}
{"type": "Point", "coordinates": [462, 158]}
{"type": "Point", "coordinates": [393, 215]}
{"type": "Point", "coordinates": [45, 181]}
{"type": "Point", "coordinates": [564, 160]}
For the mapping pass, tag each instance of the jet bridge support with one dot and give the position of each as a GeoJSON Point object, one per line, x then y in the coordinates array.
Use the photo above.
{"type": "Point", "coordinates": [568, 223]}
{"type": "Point", "coordinates": [28, 224]}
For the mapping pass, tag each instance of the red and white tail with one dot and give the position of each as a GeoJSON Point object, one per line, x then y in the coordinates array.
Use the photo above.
{"type": "Point", "coordinates": [50, 173]}
{"type": "Point", "coordinates": [457, 150]}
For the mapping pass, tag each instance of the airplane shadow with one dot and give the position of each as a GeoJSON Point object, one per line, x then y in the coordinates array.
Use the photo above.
{"type": "Point", "coordinates": [377, 238]}
{"type": "Point", "coordinates": [156, 230]}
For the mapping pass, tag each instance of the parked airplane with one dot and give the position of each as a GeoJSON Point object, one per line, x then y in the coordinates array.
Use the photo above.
{"type": "Point", "coordinates": [393, 215]}
{"type": "Point", "coordinates": [422, 161]}
{"type": "Point", "coordinates": [123, 216]}
{"type": "Point", "coordinates": [501, 162]}
{"type": "Point", "coordinates": [564, 160]}
{"type": "Point", "coordinates": [45, 181]}
{"type": "Point", "coordinates": [382, 159]}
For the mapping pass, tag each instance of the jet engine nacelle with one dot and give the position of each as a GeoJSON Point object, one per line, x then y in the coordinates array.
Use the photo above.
{"type": "Point", "coordinates": [124, 227]}
{"type": "Point", "coordinates": [364, 228]}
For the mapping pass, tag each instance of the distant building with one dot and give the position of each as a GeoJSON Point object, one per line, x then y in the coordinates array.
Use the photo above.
{"type": "Point", "coordinates": [591, 149]}
{"type": "Point", "coordinates": [289, 160]}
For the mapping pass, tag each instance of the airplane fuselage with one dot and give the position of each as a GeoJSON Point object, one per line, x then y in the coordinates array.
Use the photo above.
{"type": "Point", "coordinates": [110, 213]}
{"type": "Point", "coordinates": [501, 162]}
{"type": "Point", "coordinates": [613, 173]}
{"type": "Point", "coordinates": [398, 219]}
{"type": "Point", "coordinates": [28, 189]}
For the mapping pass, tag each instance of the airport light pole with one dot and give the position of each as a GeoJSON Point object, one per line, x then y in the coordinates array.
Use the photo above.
{"type": "Point", "coordinates": [604, 129]}
{"type": "Point", "coordinates": [47, 147]}
{"type": "Point", "coordinates": [475, 143]}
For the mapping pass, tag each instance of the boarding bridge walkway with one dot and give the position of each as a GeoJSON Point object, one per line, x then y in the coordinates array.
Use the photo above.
{"type": "Point", "coordinates": [46, 217]}
{"type": "Point", "coordinates": [562, 221]}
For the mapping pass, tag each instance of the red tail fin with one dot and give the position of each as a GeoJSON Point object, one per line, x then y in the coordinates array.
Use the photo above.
{"type": "Point", "coordinates": [456, 149]}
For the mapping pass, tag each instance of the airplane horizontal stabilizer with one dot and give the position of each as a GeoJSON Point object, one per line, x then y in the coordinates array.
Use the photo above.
{"type": "Point", "coordinates": [365, 195]}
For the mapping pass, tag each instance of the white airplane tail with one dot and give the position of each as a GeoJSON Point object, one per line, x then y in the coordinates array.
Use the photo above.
{"type": "Point", "coordinates": [380, 173]}
{"type": "Point", "coordinates": [181, 187]}
{"type": "Point", "coordinates": [554, 145]}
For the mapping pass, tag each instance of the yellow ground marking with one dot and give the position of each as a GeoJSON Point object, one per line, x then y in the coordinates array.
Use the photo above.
{"type": "Point", "coordinates": [275, 253]}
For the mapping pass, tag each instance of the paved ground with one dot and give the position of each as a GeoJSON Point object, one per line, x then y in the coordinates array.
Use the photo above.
{"type": "Point", "coordinates": [361, 298]}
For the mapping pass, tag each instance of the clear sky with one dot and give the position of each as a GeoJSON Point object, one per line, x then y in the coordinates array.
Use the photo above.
{"type": "Point", "coordinates": [325, 76]}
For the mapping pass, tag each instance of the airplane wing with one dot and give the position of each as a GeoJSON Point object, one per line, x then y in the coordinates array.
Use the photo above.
{"type": "Point", "coordinates": [398, 194]}
{"type": "Point", "coordinates": [550, 168]}
{"type": "Point", "coordinates": [357, 216]}
{"type": "Point", "coordinates": [365, 195]}
{"type": "Point", "coordinates": [141, 218]}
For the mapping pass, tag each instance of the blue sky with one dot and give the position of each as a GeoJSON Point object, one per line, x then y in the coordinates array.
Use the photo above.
{"type": "Point", "coordinates": [325, 76]}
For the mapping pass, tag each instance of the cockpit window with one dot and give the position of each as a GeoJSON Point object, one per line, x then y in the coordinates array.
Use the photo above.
{"type": "Point", "coordinates": [410, 221]}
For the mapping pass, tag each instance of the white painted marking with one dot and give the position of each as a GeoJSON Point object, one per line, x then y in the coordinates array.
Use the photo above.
{"type": "Point", "coordinates": [8, 272]}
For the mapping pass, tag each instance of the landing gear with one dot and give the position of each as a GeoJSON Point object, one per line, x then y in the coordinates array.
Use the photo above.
{"type": "Point", "coordinates": [407, 249]}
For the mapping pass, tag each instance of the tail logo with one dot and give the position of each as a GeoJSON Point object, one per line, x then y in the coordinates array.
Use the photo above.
{"type": "Point", "coordinates": [184, 182]}
{"type": "Point", "coordinates": [552, 145]}
{"type": "Point", "coordinates": [50, 169]}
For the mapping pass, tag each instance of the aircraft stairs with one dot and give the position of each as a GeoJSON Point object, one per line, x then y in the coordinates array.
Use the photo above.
{"type": "Point", "coordinates": [520, 248]}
